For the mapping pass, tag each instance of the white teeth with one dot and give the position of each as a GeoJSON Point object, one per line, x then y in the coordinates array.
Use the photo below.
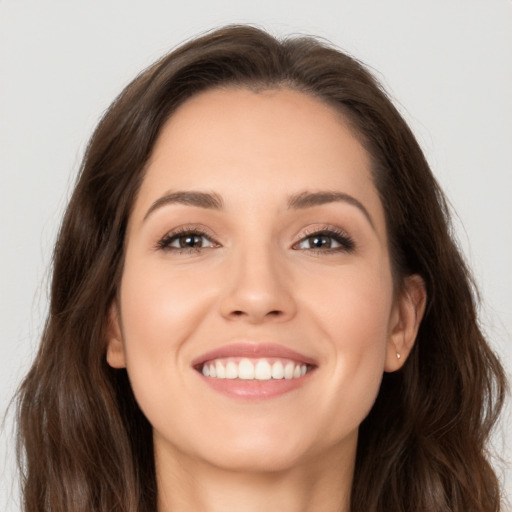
{"type": "Point", "coordinates": [277, 370]}
{"type": "Point", "coordinates": [263, 370]}
{"type": "Point", "coordinates": [288, 370]}
{"type": "Point", "coordinates": [221, 371]}
{"type": "Point", "coordinates": [247, 369]}
{"type": "Point", "coordinates": [231, 370]}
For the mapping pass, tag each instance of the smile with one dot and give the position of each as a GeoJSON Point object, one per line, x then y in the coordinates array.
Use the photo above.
{"type": "Point", "coordinates": [254, 369]}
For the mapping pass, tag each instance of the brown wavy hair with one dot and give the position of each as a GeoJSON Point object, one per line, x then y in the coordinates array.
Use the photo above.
{"type": "Point", "coordinates": [85, 446]}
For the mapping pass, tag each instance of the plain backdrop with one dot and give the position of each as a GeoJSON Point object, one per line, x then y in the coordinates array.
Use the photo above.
{"type": "Point", "coordinates": [446, 63]}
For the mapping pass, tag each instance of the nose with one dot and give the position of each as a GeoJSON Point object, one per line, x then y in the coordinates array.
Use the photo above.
{"type": "Point", "coordinates": [258, 288]}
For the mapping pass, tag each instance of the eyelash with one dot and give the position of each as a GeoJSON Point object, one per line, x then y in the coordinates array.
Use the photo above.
{"type": "Point", "coordinates": [165, 243]}
{"type": "Point", "coordinates": [346, 243]}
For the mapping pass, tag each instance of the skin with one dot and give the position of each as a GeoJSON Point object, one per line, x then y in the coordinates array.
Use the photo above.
{"type": "Point", "coordinates": [258, 278]}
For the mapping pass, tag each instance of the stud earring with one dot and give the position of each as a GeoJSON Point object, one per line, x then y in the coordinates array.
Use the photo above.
{"type": "Point", "coordinates": [398, 356]}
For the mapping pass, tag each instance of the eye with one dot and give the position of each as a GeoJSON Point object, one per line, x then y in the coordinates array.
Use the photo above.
{"type": "Point", "coordinates": [186, 241]}
{"type": "Point", "coordinates": [326, 241]}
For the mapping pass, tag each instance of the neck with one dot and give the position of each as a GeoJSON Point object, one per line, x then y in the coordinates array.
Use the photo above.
{"type": "Point", "coordinates": [321, 484]}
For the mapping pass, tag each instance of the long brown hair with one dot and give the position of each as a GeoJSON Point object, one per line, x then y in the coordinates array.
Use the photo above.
{"type": "Point", "coordinates": [84, 445]}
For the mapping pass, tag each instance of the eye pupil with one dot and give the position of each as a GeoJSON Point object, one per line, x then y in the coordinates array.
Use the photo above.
{"type": "Point", "coordinates": [190, 241]}
{"type": "Point", "coordinates": [320, 241]}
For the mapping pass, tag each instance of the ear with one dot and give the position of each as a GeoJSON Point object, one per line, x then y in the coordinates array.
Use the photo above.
{"type": "Point", "coordinates": [405, 322]}
{"type": "Point", "coordinates": [115, 347]}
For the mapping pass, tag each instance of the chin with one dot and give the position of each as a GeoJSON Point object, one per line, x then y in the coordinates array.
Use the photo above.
{"type": "Point", "coordinates": [249, 450]}
{"type": "Point", "coordinates": [255, 459]}
{"type": "Point", "coordinates": [270, 451]}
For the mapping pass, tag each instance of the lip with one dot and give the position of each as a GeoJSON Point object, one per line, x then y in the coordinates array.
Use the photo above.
{"type": "Point", "coordinates": [254, 390]}
{"type": "Point", "coordinates": [253, 350]}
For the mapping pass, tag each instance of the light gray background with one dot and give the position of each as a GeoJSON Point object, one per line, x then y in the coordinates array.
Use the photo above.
{"type": "Point", "coordinates": [448, 63]}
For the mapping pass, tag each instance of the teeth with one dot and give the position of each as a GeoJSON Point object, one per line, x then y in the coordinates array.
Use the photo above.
{"type": "Point", "coordinates": [263, 370]}
{"type": "Point", "coordinates": [221, 371]}
{"type": "Point", "coordinates": [247, 369]}
{"type": "Point", "coordinates": [277, 370]}
{"type": "Point", "coordinates": [288, 370]}
{"type": "Point", "coordinates": [231, 370]}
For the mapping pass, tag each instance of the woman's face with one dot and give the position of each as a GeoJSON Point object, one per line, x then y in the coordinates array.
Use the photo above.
{"type": "Point", "coordinates": [256, 251]}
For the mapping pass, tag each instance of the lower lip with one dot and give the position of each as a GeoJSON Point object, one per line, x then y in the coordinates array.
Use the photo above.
{"type": "Point", "coordinates": [254, 389]}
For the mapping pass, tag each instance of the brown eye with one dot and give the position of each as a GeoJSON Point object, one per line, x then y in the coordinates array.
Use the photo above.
{"type": "Point", "coordinates": [326, 241]}
{"type": "Point", "coordinates": [189, 241]}
{"type": "Point", "coordinates": [185, 241]}
{"type": "Point", "coordinates": [317, 242]}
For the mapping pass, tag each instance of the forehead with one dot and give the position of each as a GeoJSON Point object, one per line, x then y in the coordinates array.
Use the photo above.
{"type": "Point", "coordinates": [271, 144]}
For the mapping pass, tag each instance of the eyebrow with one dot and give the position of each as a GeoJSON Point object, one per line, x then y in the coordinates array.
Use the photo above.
{"type": "Point", "coordinates": [213, 201]}
{"type": "Point", "coordinates": [208, 200]}
{"type": "Point", "coordinates": [311, 199]}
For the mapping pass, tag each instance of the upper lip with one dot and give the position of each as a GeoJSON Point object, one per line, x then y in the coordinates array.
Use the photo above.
{"type": "Point", "coordinates": [253, 350]}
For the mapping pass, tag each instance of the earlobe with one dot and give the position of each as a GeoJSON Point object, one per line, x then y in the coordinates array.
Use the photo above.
{"type": "Point", "coordinates": [115, 346]}
{"type": "Point", "coordinates": [409, 312]}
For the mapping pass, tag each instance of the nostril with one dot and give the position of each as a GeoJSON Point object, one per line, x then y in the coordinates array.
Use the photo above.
{"type": "Point", "coordinates": [274, 313]}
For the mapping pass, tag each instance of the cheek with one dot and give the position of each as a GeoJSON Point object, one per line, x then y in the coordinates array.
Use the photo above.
{"type": "Point", "coordinates": [162, 303]}
{"type": "Point", "coordinates": [159, 312]}
{"type": "Point", "coordinates": [353, 318]}
{"type": "Point", "coordinates": [359, 325]}
{"type": "Point", "coordinates": [354, 309]}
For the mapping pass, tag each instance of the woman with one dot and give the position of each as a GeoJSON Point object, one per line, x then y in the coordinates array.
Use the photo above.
{"type": "Point", "coordinates": [257, 304]}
